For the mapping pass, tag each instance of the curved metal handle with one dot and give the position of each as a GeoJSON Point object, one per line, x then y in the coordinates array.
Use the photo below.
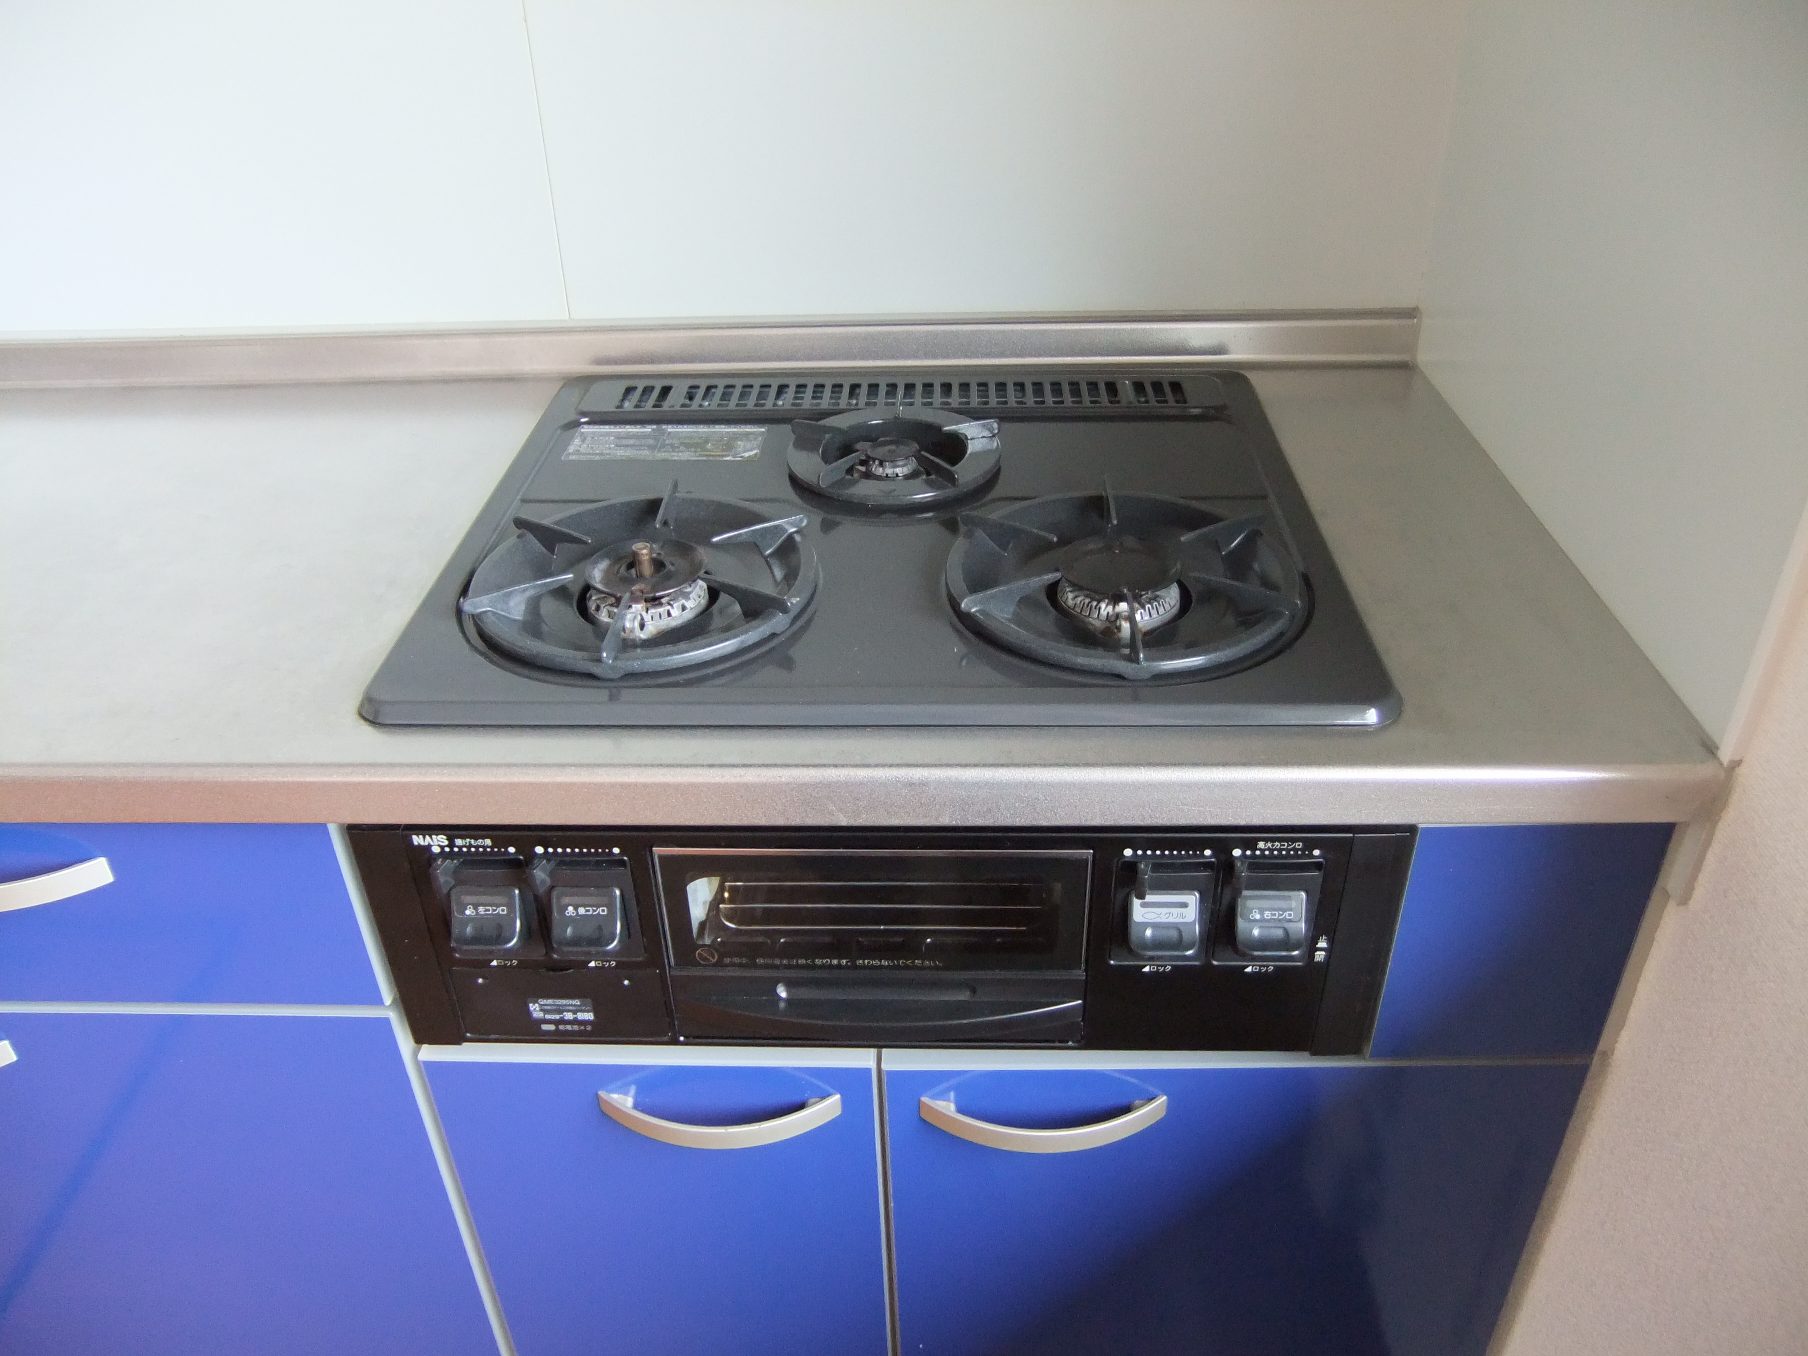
{"type": "Point", "coordinates": [54, 885]}
{"type": "Point", "coordinates": [619, 1107]}
{"type": "Point", "coordinates": [940, 1113]}
{"type": "Point", "coordinates": [7, 1053]}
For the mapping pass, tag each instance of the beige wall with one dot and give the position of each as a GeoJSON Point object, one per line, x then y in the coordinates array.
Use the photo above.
{"type": "Point", "coordinates": [1683, 1225]}
{"type": "Point", "coordinates": [1617, 306]}
{"type": "Point", "coordinates": [1617, 302]}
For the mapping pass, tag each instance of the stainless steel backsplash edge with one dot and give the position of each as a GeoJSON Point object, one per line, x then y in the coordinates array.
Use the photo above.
{"type": "Point", "coordinates": [1254, 339]}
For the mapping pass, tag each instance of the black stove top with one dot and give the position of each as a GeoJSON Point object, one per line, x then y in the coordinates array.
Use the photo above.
{"type": "Point", "coordinates": [1030, 548]}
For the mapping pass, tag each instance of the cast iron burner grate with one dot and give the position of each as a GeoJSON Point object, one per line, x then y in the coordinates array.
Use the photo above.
{"type": "Point", "coordinates": [639, 586]}
{"type": "Point", "coordinates": [1132, 585]}
{"type": "Point", "coordinates": [887, 459]}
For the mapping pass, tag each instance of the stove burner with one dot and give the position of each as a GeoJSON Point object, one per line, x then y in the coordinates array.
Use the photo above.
{"type": "Point", "coordinates": [1117, 616]}
{"type": "Point", "coordinates": [657, 586]}
{"type": "Point", "coordinates": [1118, 583]}
{"type": "Point", "coordinates": [1136, 586]}
{"type": "Point", "coordinates": [888, 458]}
{"type": "Point", "coordinates": [891, 460]}
{"type": "Point", "coordinates": [642, 586]}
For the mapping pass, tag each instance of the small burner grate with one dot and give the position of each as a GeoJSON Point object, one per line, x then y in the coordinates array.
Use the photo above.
{"type": "Point", "coordinates": [890, 460]}
{"type": "Point", "coordinates": [642, 586]}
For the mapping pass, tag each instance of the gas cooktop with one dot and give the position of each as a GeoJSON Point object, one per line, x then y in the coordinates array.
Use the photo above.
{"type": "Point", "coordinates": [931, 548]}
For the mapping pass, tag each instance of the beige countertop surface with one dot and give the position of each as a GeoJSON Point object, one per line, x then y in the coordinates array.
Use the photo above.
{"type": "Point", "coordinates": [196, 583]}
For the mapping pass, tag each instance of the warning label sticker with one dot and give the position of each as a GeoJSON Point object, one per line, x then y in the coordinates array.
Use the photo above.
{"type": "Point", "coordinates": [664, 442]}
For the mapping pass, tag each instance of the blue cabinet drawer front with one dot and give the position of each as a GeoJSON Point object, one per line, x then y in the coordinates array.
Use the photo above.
{"type": "Point", "coordinates": [1339, 1210]}
{"type": "Point", "coordinates": [1512, 939]}
{"type": "Point", "coordinates": [601, 1240]}
{"type": "Point", "coordinates": [191, 1185]}
{"type": "Point", "coordinates": [194, 913]}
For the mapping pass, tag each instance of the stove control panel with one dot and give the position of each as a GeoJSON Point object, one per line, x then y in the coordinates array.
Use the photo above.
{"type": "Point", "coordinates": [1106, 939]}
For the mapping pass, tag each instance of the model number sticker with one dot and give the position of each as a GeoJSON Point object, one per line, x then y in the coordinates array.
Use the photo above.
{"type": "Point", "coordinates": [561, 1010]}
{"type": "Point", "coordinates": [664, 442]}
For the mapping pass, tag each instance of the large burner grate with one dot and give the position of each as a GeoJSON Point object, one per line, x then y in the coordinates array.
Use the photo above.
{"type": "Point", "coordinates": [1134, 586]}
{"type": "Point", "coordinates": [642, 586]}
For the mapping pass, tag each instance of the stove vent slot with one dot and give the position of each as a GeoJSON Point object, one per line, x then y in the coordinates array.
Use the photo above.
{"type": "Point", "coordinates": [900, 393]}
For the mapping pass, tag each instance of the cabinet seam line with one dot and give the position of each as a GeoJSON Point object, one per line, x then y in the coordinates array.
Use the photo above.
{"type": "Point", "coordinates": [882, 1133]}
{"type": "Point", "coordinates": [455, 1193]}
{"type": "Point", "coordinates": [424, 1104]}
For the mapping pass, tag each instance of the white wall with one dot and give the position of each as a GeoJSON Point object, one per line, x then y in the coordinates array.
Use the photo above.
{"type": "Point", "coordinates": [1617, 303]}
{"type": "Point", "coordinates": [195, 164]}
{"type": "Point", "coordinates": [715, 157]}
{"type": "Point", "coordinates": [200, 164]}
{"type": "Point", "coordinates": [1683, 1226]}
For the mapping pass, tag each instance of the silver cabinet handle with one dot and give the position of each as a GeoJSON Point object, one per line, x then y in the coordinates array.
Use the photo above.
{"type": "Point", "coordinates": [619, 1107]}
{"type": "Point", "coordinates": [1068, 1139]}
{"type": "Point", "coordinates": [54, 885]}
{"type": "Point", "coordinates": [7, 1053]}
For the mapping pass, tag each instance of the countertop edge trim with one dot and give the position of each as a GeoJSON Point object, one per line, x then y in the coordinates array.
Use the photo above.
{"type": "Point", "coordinates": [835, 796]}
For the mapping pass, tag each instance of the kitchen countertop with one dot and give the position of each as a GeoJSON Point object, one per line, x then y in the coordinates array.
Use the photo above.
{"type": "Point", "coordinates": [195, 585]}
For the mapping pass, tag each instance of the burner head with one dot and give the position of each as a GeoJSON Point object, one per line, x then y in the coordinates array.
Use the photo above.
{"type": "Point", "coordinates": [890, 460]}
{"type": "Point", "coordinates": [655, 585]}
{"type": "Point", "coordinates": [1111, 614]}
{"type": "Point", "coordinates": [1109, 582]}
{"type": "Point", "coordinates": [891, 456]}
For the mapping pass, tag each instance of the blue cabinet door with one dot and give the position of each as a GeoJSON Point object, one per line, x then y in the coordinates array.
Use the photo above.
{"type": "Point", "coordinates": [1512, 938]}
{"type": "Point", "coordinates": [602, 1239]}
{"type": "Point", "coordinates": [178, 913]}
{"type": "Point", "coordinates": [184, 1186]}
{"type": "Point", "coordinates": [1287, 1210]}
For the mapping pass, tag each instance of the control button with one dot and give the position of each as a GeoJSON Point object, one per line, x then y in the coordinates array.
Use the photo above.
{"type": "Point", "coordinates": [487, 920]}
{"type": "Point", "coordinates": [489, 907]}
{"type": "Point", "coordinates": [1154, 938]}
{"type": "Point", "coordinates": [589, 909]}
{"type": "Point", "coordinates": [585, 921]}
{"type": "Point", "coordinates": [1271, 923]}
{"type": "Point", "coordinates": [1164, 922]}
